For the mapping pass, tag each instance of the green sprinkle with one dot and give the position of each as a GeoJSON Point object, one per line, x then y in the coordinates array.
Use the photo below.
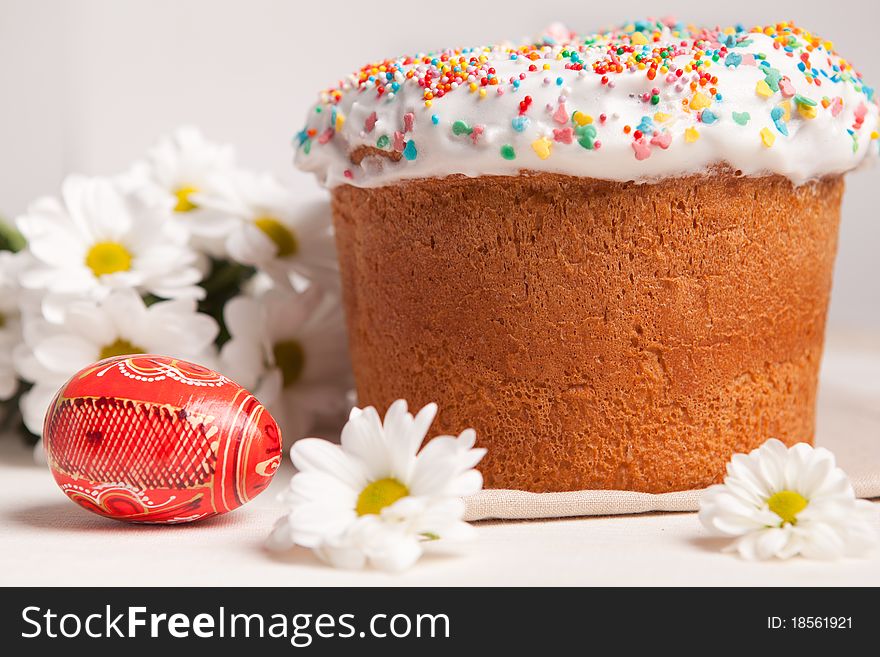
{"type": "Point", "coordinates": [741, 118]}
{"type": "Point", "coordinates": [383, 141]}
{"type": "Point", "coordinates": [461, 128]}
{"type": "Point", "coordinates": [586, 136]}
{"type": "Point", "coordinates": [803, 100]}
{"type": "Point", "coordinates": [507, 152]}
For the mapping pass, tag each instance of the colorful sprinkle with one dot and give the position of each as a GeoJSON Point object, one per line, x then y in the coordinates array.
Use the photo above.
{"type": "Point", "coordinates": [520, 123]}
{"type": "Point", "coordinates": [777, 116]}
{"type": "Point", "coordinates": [763, 89]}
{"type": "Point", "coordinates": [410, 152]}
{"type": "Point", "coordinates": [708, 117]}
{"type": "Point", "coordinates": [587, 137]}
{"type": "Point", "coordinates": [641, 148]}
{"type": "Point", "coordinates": [581, 119]}
{"type": "Point", "coordinates": [742, 118]}
{"type": "Point", "coordinates": [691, 135]}
{"type": "Point", "coordinates": [507, 152]}
{"type": "Point", "coordinates": [461, 128]}
{"type": "Point", "coordinates": [542, 147]}
{"type": "Point", "coordinates": [700, 101]}
{"type": "Point", "coordinates": [767, 137]}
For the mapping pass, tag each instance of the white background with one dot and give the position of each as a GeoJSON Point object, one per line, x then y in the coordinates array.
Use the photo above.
{"type": "Point", "coordinates": [87, 85]}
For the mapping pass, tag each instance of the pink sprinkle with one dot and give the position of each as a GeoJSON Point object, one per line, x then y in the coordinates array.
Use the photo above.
{"type": "Point", "coordinates": [563, 135]}
{"type": "Point", "coordinates": [408, 119]}
{"type": "Point", "coordinates": [836, 106]}
{"type": "Point", "coordinates": [347, 173]}
{"type": "Point", "coordinates": [370, 123]}
{"type": "Point", "coordinates": [662, 139]}
{"type": "Point", "coordinates": [399, 144]}
{"type": "Point", "coordinates": [860, 112]}
{"type": "Point", "coordinates": [786, 87]}
{"type": "Point", "coordinates": [476, 131]}
{"type": "Point", "coordinates": [642, 149]}
{"type": "Point", "coordinates": [325, 136]}
{"type": "Point", "coordinates": [748, 60]}
{"type": "Point", "coordinates": [560, 115]}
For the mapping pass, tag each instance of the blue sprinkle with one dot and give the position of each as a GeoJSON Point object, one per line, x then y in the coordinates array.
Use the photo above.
{"type": "Point", "coordinates": [733, 59]}
{"type": "Point", "coordinates": [435, 119]}
{"type": "Point", "coordinates": [802, 67]}
{"type": "Point", "coordinates": [520, 123]}
{"type": "Point", "coordinates": [410, 152]}
{"type": "Point", "coordinates": [558, 82]}
{"type": "Point", "coordinates": [776, 114]}
{"type": "Point", "coordinates": [708, 117]}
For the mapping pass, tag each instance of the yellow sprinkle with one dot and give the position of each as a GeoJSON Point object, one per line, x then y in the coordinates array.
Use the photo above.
{"type": "Point", "coordinates": [660, 117]}
{"type": "Point", "coordinates": [829, 46]}
{"type": "Point", "coordinates": [582, 119]}
{"type": "Point", "coordinates": [691, 135]}
{"type": "Point", "coordinates": [700, 101]}
{"type": "Point", "coordinates": [542, 147]}
{"type": "Point", "coordinates": [482, 93]}
{"type": "Point", "coordinates": [763, 89]}
{"type": "Point", "coordinates": [340, 121]}
{"type": "Point", "coordinates": [786, 107]}
{"type": "Point", "coordinates": [428, 103]}
{"type": "Point", "coordinates": [639, 39]}
{"type": "Point", "coordinates": [874, 135]}
{"type": "Point", "coordinates": [546, 67]}
{"type": "Point", "coordinates": [767, 137]}
{"type": "Point", "coordinates": [807, 111]}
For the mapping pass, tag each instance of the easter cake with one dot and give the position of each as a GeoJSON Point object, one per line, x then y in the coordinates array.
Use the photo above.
{"type": "Point", "coordinates": [611, 254]}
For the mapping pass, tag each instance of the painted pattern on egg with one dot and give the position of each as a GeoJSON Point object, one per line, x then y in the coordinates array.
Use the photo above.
{"type": "Point", "coordinates": [152, 439]}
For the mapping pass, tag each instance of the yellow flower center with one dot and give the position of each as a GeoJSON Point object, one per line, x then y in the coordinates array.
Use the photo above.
{"type": "Point", "coordinates": [290, 358]}
{"type": "Point", "coordinates": [108, 258]}
{"type": "Point", "coordinates": [379, 494]}
{"type": "Point", "coordinates": [284, 239]}
{"type": "Point", "coordinates": [120, 347]}
{"type": "Point", "coordinates": [183, 193]}
{"type": "Point", "coordinates": [787, 504]}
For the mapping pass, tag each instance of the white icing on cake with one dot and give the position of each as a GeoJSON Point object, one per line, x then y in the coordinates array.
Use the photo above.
{"type": "Point", "coordinates": [809, 113]}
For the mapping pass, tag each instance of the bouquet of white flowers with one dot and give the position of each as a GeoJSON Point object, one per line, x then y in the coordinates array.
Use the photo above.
{"type": "Point", "coordinates": [185, 255]}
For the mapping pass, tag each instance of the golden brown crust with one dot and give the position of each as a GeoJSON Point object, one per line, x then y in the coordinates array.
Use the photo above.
{"type": "Point", "coordinates": [596, 334]}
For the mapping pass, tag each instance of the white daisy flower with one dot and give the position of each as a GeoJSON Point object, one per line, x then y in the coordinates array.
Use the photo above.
{"type": "Point", "coordinates": [179, 169]}
{"type": "Point", "coordinates": [780, 502]}
{"type": "Point", "coordinates": [289, 348]}
{"type": "Point", "coordinates": [376, 498]}
{"type": "Point", "coordinates": [274, 231]}
{"type": "Point", "coordinates": [92, 330]}
{"type": "Point", "coordinates": [10, 322]}
{"type": "Point", "coordinates": [98, 240]}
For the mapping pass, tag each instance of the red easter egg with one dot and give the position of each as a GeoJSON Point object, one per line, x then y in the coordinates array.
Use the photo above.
{"type": "Point", "coordinates": [154, 439]}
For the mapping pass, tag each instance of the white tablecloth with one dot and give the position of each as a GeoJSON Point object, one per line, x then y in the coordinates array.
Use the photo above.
{"type": "Point", "coordinates": [46, 540]}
